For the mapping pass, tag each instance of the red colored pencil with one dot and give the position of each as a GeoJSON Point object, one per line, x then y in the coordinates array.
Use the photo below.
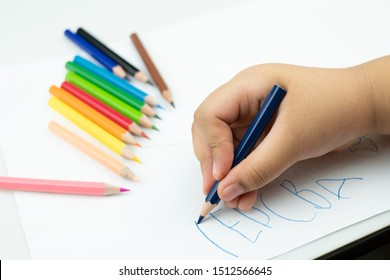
{"type": "Point", "coordinates": [102, 108]}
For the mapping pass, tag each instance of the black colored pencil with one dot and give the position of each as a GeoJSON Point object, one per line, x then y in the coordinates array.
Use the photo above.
{"type": "Point", "coordinates": [129, 68]}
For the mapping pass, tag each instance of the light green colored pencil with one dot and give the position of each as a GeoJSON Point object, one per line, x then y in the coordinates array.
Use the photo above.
{"type": "Point", "coordinates": [109, 100]}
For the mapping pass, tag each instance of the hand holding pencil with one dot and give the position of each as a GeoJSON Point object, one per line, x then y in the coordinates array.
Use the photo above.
{"type": "Point", "coordinates": [256, 128]}
{"type": "Point", "coordinates": [324, 110]}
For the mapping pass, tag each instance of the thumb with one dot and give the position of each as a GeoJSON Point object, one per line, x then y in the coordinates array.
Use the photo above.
{"type": "Point", "coordinates": [219, 139]}
{"type": "Point", "coordinates": [277, 152]}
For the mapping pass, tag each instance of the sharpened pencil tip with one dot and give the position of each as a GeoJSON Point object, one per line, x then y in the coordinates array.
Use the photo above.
{"type": "Point", "coordinates": [161, 107]}
{"type": "Point", "coordinates": [137, 144]}
{"type": "Point", "coordinates": [136, 179]}
{"type": "Point", "coordinates": [143, 134]}
{"type": "Point", "coordinates": [155, 128]}
{"type": "Point", "coordinates": [124, 190]}
{"type": "Point", "coordinates": [200, 219]}
{"type": "Point", "coordinates": [173, 104]}
{"type": "Point", "coordinates": [150, 82]}
{"type": "Point", "coordinates": [136, 159]}
{"type": "Point", "coordinates": [157, 116]}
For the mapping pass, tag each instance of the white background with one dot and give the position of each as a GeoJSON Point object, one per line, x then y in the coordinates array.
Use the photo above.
{"type": "Point", "coordinates": [33, 31]}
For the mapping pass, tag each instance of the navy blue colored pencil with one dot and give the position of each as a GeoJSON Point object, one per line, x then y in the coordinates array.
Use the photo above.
{"type": "Point", "coordinates": [250, 138]}
{"type": "Point", "coordinates": [97, 54]}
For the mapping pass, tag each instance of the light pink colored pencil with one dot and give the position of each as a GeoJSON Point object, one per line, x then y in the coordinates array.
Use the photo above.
{"type": "Point", "coordinates": [58, 186]}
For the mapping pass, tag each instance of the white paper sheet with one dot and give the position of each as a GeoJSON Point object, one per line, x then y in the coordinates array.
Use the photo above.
{"type": "Point", "coordinates": [156, 220]}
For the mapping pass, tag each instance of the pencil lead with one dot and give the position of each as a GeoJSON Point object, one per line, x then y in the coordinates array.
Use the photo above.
{"type": "Point", "coordinates": [150, 82]}
{"type": "Point", "coordinates": [136, 159]}
{"type": "Point", "coordinates": [157, 116]}
{"type": "Point", "coordinates": [161, 107]}
{"type": "Point", "coordinates": [143, 134]}
{"type": "Point", "coordinates": [136, 179]}
{"type": "Point", "coordinates": [124, 190]}
{"type": "Point", "coordinates": [200, 219]}
{"type": "Point", "coordinates": [155, 128]}
{"type": "Point", "coordinates": [173, 104]}
{"type": "Point", "coordinates": [137, 144]}
{"type": "Point", "coordinates": [128, 77]}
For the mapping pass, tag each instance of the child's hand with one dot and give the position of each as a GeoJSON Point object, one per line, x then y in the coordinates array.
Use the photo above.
{"type": "Point", "coordinates": [323, 110]}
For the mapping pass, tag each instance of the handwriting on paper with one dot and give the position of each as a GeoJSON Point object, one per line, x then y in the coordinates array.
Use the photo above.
{"type": "Point", "coordinates": [305, 204]}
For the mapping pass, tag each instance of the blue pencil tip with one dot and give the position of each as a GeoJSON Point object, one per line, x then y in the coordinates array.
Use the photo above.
{"type": "Point", "coordinates": [161, 107]}
{"type": "Point", "coordinates": [200, 219]}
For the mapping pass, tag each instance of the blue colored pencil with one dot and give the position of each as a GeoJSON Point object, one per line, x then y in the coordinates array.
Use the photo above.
{"type": "Point", "coordinates": [116, 81]}
{"type": "Point", "coordinates": [95, 53]}
{"type": "Point", "coordinates": [250, 138]}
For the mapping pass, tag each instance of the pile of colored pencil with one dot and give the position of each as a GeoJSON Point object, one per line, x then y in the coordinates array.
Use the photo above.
{"type": "Point", "coordinates": [102, 101]}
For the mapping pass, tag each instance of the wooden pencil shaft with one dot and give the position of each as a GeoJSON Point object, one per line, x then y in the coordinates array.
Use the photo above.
{"type": "Point", "coordinates": [94, 130]}
{"type": "Point", "coordinates": [88, 112]}
{"type": "Point", "coordinates": [86, 147]}
{"type": "Point", "coordinates": [98, 105]}
{"type": "Point", "coordinates": [156, 76]}
{"type": "Point", "coordinates": [113, 79]}
{"type": "Point", "coordinates": [56, 186]}
{"type": "Point", "coordinates": [113, 90]}
{"type": "Point", "coordinates": [122, 95]}
{"type": "Point", "coordinates": [131, 69]}
{"type": "Point", "coordinates": [91, 50]}
{"type": "Point", "coordinates": [104, 97]}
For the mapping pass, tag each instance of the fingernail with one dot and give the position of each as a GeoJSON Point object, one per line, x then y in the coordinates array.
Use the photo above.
{"type": "Point", "coordinates": [231, 192]}
{"type": "Point", "coordinates": [215, 170]}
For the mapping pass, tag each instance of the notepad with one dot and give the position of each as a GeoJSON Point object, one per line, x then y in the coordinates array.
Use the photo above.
{"type": "Point", "coordinates": [157, 219]}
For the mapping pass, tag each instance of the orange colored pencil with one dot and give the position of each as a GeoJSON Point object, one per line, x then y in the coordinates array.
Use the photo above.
{"type": "Point", "coordinates": [102, 108]}
{"type": "Point", "coordinates": [93, 129]}
{"type": "Point", "coordinates": [93, 115]}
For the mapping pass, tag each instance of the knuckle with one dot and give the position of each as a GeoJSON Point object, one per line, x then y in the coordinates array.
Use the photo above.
{"type": "Point", "coordinates": [200, 116]}
{"type": "Point", "coordinates": [255, 177]}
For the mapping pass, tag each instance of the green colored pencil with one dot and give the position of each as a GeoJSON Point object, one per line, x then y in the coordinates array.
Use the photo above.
{"type": "Point", "coordinates": [109, 100]}
{"type": "Point", "coordinates": [112, 89]}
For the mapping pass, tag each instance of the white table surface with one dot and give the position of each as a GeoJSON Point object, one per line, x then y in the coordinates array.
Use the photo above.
{"type": "Point", "coordinates": [33, 32]}
{"type": "Point", "coordinates": [30, 32]}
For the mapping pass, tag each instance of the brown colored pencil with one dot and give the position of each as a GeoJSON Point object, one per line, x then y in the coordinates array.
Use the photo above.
{"type": "Point", "coordinates": [158, 80]}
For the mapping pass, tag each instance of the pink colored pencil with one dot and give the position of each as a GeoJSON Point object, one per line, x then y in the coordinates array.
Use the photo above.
{"type": "Point", "coordinates": [58, 186]}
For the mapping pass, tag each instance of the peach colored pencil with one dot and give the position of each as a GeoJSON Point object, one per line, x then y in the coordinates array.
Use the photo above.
{"type": "Point", "coordinates": [91, 150]}
{"type": "Point", "coordinates": [58, 186]}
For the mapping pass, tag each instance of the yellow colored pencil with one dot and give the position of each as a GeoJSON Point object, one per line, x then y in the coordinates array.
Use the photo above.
{"type": "Point", "coordinates": [91, 150]}
{"type": "Point", "coordinates": [96, 131]}
{"type": "Point", "coordinates": [93, 115]}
